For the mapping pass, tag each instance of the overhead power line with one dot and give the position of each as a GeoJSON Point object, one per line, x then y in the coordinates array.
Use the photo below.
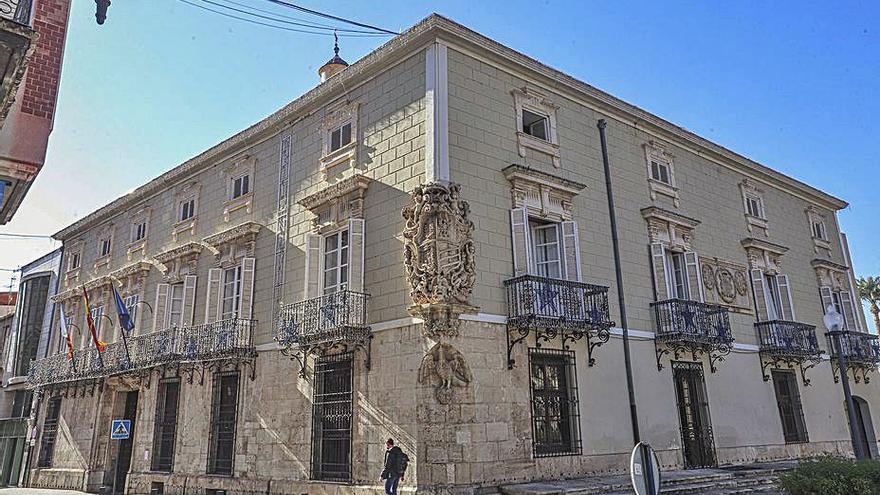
{"type": "Point", "coordinates": [305, 29]}
{"type": "Point", "coordinates": [283, 19]}
{"type": "Point", "coordinates": [328, 16]}
{"type": "Point", "coordinates": [24, 236]}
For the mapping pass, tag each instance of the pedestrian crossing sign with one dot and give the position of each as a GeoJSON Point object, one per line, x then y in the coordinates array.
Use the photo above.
{"type": "Point", "coordinates": [120, 429]}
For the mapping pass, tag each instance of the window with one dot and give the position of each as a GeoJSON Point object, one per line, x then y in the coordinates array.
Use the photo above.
{"type": "Point", "coordinates": [535, 125]}
{"type": "Point", "coordinates": [332, 418]}
{"type": "Point", "coordinates": [73, 263]}
{"type": "Point", "coordinates": [819, 230]}
{"type": "Point", "coordinates": [97, 315]}
{"type": "Point", "coordinates": [50, 428]}
{"type": "Point", "coordinates": [754, 207]}
{"type": "Point", "coordinates": [105, 247]}
{"type": "Point", "coordinates": [175, 306]}
{"type": "Point", "coordinates": [845, 312]}
{"type": "Point", "coordinates": [165, 425]}
{"type": "Point", "coordinates": [774, 298]}
{"type": "Point", "coordinates": [546, 245]}
{"type": "Point", "coordinates": [240, 186]}
{"type": "Point", "coordinates": [790, 410]}
{"type": "Point", "coordinates": [138, 231]}
{"type": "Point", "coordinates": [131, 303]}
{"type": "Point", "coordinates": [224, 409]}
{"type": "Point", "coordinates": [187, 209]}
{"type": "Point", "coordinates": [21, 403]}
{"type": "Point", "coordinates": [554, 403]}
{"type": "Point", "coordinates": [231, 292]}
{"type": "Point", "coordinates": [660, 172]}
{"type": "Point", "coordinates": [33, 296]}
{"type": "Point", "coordinates": [678, 272]}
{"type": "Point", "coordinates": [336, 262]}
{"type": "Point", "coordinates": [340, 137]}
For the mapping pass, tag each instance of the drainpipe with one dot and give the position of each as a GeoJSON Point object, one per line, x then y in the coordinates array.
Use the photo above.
{"type": "Point", "coordinates": [615, 243]}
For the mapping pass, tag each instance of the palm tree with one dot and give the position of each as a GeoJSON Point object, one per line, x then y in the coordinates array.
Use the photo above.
{"type": "Point", "coordinates": [869, 291]}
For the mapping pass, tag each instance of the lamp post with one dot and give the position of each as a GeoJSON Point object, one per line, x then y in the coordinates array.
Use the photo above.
{"type": "Point", "coordinates": [833, 321]}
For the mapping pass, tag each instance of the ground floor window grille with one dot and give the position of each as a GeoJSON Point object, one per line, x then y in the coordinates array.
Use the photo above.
{"type": "Point", "coordinates": [165, 426]}
{"type": "Point", "coordinates": [332, 419]}
{"type": "Point", "coordinates": [224, 412]}
{"type": "Point", "coordinates": [790, 410]}
{"type": "Point", "coordinates": [50, 428]}
{"type": "Point", "coordinates": [555, 423]}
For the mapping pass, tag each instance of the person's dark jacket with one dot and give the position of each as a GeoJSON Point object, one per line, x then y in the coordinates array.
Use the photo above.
{"type": "Point", "coordinates": [393, 463]}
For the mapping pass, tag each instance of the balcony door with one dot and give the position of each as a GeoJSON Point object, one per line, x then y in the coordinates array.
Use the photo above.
{"type": "Point", "coordinates": [693, 412]}
{"type": "Point", "coordinates": [332, 419]}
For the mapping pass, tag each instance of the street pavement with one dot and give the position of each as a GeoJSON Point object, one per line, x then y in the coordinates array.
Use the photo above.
{"type": "Point", "coordinates": [37, 491]}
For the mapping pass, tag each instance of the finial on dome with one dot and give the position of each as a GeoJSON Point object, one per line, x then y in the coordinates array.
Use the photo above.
{"type": "Point", "coordinates": [335, 65]}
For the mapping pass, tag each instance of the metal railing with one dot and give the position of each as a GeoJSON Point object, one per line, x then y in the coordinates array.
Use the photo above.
{"type": "Point", "coordinates": [682, 319]}
{"type": "Point", "coordinates": [16, 10]}
{"type": "Point", "coordinates": [534, 300]}
{"type": "Point", "coordinates": [857, 347]}
{"type": "Point", "coordinates": [781, 337]}
{"type": "Point", "coordinates": [222, 339]}
{"type": "Point", "coordinates": [340, 316]}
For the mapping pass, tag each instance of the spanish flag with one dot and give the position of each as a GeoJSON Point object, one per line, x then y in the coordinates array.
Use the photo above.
{"type": "Point", "coordinates": [101, 346]}
{"type": "Point", "coordinates": [66, 333]}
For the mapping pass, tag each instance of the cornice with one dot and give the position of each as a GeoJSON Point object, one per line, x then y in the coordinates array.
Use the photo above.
{"type": "Point", "coordinates": [180, 251]}
{"type": "Point", "coordinates": [751, 242]}
{"type": "Point", "coordinates": [669, 216]}
{"type": "Point", "coordinates": [521, 172]}
{"type": "Point", "coordinates": [829, 265]}
{"type": "Point", "coordinates": [354, 183]}
{"type": "Point", "coordinates": [231, 234]}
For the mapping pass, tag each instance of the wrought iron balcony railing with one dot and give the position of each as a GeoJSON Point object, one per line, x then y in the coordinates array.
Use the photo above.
{"type": "Point", "coordinates": [691, 326]}
{"type": "Point", "coordinates": [230, 338]}
{"type": "Point", "coordinates": [16, 10]}
{"type": "Point", "coordinates": [314, 325]}
{"type": "Point", "coordinates": [789, 343]}
{"type": "Point", "coordinates": [860, 351]}
{"type": "Point", "coordinates": [552, 307]}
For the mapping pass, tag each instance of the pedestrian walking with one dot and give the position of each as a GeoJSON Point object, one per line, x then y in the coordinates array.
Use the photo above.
{"type": "Point", "coordinates": [396, 463]}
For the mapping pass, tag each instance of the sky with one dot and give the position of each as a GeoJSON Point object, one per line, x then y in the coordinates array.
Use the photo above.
{"type": "Point", "coordinates": [794, 85]}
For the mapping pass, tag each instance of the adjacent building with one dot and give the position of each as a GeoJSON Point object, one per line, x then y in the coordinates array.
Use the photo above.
{"type": "Point", "coordinates": [32, 37]}
{"type": "Point", "coordinates": [420, 248]}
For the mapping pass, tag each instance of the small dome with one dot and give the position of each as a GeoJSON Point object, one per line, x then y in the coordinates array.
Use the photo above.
{"type": "Point", "coordinates": [334, 66]}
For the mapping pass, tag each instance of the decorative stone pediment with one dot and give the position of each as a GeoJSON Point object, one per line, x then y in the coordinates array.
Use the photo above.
{"type": "Point", "coordinates": [751, 192]}
{"type": "Point", "coordinates": [657, 152]}
{"type": "Point", "coordinates": [335, 204]}
{"type": "Point", "coordinates": [821, 244]}
{"type": "Point", "coordinates": [233, 244]}
{"type": "Point", "coordinates": [179, 262]}
{"type": "Point", "coordinates": [545, 195]}
{"type": "Point", "coordinates": [763, 255]}
{"type": "Point", "coordinates": [439, 257]}
{"type": "Point", "coordinates": [671, 229]}
{"type": "Point", "coordinates": [831, 274]}
{"type": "Point", "coordinates": [726, 283]}
{"type": "Point", "coordinates": [346, 112]}
{"type": "Point", "coordinates": [132, 277]}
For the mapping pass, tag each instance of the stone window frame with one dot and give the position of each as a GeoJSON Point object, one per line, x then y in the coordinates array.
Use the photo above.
{"type": "Point", "coordinates": [537, 102]}
{"type": "Point", "coordinates": [135, 246]}
{"type": "Point", "coordinates": [189, 191]}
{"type": "Point", "coordinates": [243, 166]}
{"type": "Point", "coordinates": [104, 233]}
{"type": "Point", "coordinates": [766, 257]}
{"type": "Point", "coordinates": [336, 117]}
{"type": "Point", "coordinates": [749, 190]}
{"type": "Point", "coordinates": [835, 278]}
{"type": "Point", "coordinates": [657, 151]}
{"type": "Point", "coordinates": [820, 244]}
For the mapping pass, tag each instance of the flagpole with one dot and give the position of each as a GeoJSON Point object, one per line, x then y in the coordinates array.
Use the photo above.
{"type": "Point", "coordinates": [122, 315]}
{"type": "Point", "coordinates": [91, 324]}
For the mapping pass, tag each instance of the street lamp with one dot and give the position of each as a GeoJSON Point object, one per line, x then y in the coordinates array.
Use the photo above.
{"type": "Point", "coordinates": [833, 321]}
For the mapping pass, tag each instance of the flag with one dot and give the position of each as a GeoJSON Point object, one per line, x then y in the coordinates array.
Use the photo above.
{"type": "Point", "coordinates": [101, 346]}
{"type": "Point", "coordinates": [124, 316]}
{"type": "Point", "coordinates": [66, 333]}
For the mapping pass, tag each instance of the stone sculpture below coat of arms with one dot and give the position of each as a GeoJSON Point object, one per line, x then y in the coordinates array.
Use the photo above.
{"type": "Point", "coordinates": [439, 257]}
{"type": "Point", "coordinates": [444, 368]}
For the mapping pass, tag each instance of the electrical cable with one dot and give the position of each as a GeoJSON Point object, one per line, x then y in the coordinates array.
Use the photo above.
{"type": "Point", "coordinates": [283, 20]}
{"type": "Point", "coordinates": [25, 236]}
{"type": "Point", "coordinates": [328, 16]}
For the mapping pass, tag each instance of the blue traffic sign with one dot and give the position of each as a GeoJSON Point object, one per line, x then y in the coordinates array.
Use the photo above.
{"type": "Point", "coordinates": [120, 429]}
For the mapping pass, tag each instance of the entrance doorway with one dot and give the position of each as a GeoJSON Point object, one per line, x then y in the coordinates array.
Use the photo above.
{"type": "Point", "coordinates": [865, 427]}
{"type": "Point", "coordinates": [693, 413]}
{"type": "Point", "coordinates": [123, 453]}
{"type": "Point", "coordinates": [332, 419]}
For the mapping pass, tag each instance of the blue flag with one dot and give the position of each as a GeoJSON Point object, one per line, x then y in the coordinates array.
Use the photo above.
{"type": "Point", "coordinates": [124, 317]}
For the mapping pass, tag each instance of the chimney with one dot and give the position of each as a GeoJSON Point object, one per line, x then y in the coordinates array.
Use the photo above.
{"type": "Point", "coordinates": [335, 65]}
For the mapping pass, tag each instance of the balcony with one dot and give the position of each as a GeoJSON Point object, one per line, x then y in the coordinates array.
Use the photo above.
{"type": "Point", "coordinates": [787, 343]}
{"type": "Point", "coordinates": [860, 350]}
{"type": "Point", "coordinates": [684, 326]}
{"type": "Point", "coordinates": [552, 308]}
{"type": "Point", "coordinates": [16, 40]}
{"type": "Point", "coordinates": [320, 324]}
{"type": "Point", "coordinates": [186, 350]}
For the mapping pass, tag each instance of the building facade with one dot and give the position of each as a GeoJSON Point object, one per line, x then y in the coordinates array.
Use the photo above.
{"type": "Point", "coordinates": [420, 248]}
{"type": "Point", "coordinates": [25, 342]}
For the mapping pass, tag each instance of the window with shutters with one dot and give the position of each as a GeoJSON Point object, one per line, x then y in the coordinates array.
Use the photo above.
{"type": "Point", "coordinates": [224, 413]}
{"type": "Point", "coordinates": [175, 305]}
{"type": "Point", "coordinates": [186, 204]}
{"type": "Point", "coordinates": [774, 301]}
{"type": "Point", "coordinates": [240, 186]}
{"type": "Point", "coordinates": [97, 318]}
{"type": "Point", "coordinates": [791, 412]}
{"type": "Point", "coordinates": [661, 171]}
{"type": "Point", "coordinates": [753, 206]}
{"type": "Point", "coordinates": [231, 293]}
{"type": "Point", "coordinates": [553, 386]}
{"type": "Point", "coordinates": [131, 304]}
{"type": "Point", "coordinates": [340, 131]}
{"type": "Point", "coordinates": [165, 427]}
{"type": "Point", "coordinates": [536, 123]}
{"type": "Point", "coordinates": [336, 259]}
{"type": "Point", "coordinates": [678, 275]}
{"type": "Point", "coordinates": [50, 430]}
{"type": "Point", "coordinates": [842, 302]}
